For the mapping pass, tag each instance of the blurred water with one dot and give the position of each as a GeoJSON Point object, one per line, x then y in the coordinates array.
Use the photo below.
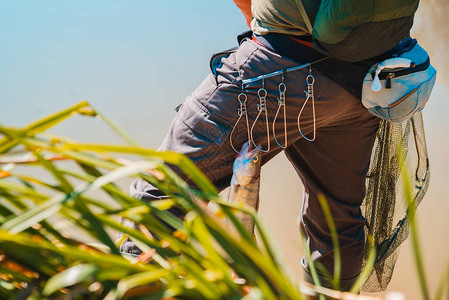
{"type": "Point", "coordinates": [136, 62]}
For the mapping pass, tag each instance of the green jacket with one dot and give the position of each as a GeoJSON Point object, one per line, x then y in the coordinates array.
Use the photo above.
{"type": "Point", "coordinates": [349, 30]}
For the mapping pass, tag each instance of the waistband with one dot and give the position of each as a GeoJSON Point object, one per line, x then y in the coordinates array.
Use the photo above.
{"type": "Point", "coordinates": [296, 48]}
{"type": "Point", "coordinates": [348, 75]}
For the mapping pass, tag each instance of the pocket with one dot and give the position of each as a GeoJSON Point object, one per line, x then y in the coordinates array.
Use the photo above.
{"type": "Point", "coordinates": [216, 59]}
{"type": "Point", "coordinates": [203, 121]}
{"type": "Point", "coordinates": [406, 106]}
{"type": "Point", "coordinates": [400, 87]}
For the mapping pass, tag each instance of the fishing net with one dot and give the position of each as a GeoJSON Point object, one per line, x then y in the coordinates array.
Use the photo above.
{"type": "Point", "coordinates": [399, 148]}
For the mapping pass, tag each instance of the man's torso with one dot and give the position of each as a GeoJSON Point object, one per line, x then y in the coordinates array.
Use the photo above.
{"type": "Point", "coordinates": [280, 16]}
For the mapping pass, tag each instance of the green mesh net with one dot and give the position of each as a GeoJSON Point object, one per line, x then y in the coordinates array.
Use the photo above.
{"type": "Point", "coordinates": [399, 147]}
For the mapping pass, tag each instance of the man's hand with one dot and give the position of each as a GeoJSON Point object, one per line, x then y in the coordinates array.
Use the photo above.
{"type": "Point", "coordinates": [245, 8]}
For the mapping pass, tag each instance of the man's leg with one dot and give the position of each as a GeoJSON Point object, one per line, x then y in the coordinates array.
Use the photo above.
{"type": "Point", "coordinates": [203, 124]}
{"type": "Point", "coordinates": [335, 166]}
{"type": "Point", "coordinates": [205, 119]}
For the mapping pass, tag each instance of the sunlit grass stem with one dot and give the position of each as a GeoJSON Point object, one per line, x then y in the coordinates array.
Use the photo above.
{"type": "Point", "coordinates": [335, 243]}
{"type": "Point", "coordinates": [411, 212]}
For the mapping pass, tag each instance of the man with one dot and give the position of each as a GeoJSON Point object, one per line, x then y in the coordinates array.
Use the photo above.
{"type": "Point", "coordinates": [329, 140]}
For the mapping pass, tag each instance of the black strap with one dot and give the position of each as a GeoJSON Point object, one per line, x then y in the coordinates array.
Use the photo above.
{"type": "Point", "coordinates": [348, 75]}
{"type": "Point", "coordinates": [244, 35]}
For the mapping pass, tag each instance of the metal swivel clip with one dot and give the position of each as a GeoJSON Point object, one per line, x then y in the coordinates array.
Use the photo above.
{"type": "Point", "coordinates": [261, 107]}
{"type": "Point", "coordinates": [310, 80]}
{"type": "Point", "coordinates": [281, 105]}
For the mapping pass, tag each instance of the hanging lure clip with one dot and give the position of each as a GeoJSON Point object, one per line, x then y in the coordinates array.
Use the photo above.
{"type": "Point", "coordinates": [310, 80]}
{"type": "Point", "coordinates": [242, 112]}
{"type": "Point", "coordinates": [281, 105]}
{"type": "Point", "coordinates": [261, 107]}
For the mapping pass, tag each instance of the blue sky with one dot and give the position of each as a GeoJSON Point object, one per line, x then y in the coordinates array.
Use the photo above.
{"type": "Point", "coordinates": [133, 60]}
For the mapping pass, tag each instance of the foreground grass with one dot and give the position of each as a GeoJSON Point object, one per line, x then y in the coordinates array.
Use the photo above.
{"type": "Point", "coordinates": [49, 205]}
{"type": "Point", "coordinates": [194, 258]}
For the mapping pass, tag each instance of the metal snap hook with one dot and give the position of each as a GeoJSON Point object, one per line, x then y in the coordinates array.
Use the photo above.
{"type": "Point", "coordinates": [282, 88]}
{"type": "Point", "coordinates": [242, 100]}
{"type": "Point", "coordinates": [241, 111]}
{"type": "Point", "coordinates": [281, 105]}
{"type": "Point", "coordinates": [310, 79]}
{"type": "Point", "coordinates": [262, 93]}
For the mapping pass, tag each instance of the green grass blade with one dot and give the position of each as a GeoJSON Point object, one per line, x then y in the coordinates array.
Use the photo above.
{"type": "Point", "coordinates": [444, 282]}
{"type": "Point", "coordinates": [15, 201]}
{"type": "Point", "coordinates": [203, 278]}
{"type": "Point", "coordinates": [365, 273]}
{"type": "Point", "coordinates": [35, 215]}
{"type": "Point", "coordinates": [335, 243]}
{"type": "Point", "coordinates": [312, 268]}
{"type": "Point", "coordinates": [411, 211]}
{"type": "Point", "coordinates": [74, 275]}
{"type": "Point", "coordinates": [31, 182]}
{"type": "Point", "coordinates": [141, 279]}
{"type": "Point", "coordinates": [259, 261]}
{"type": "Point", "coordinates": [65, 184]}
{"type": "Point", "coordinates": [101, 259]}
{"type": "Point", "coordinates": [111, 189]}
{"type": "Point", "coordinates": [7, 290]}
{"type": "Point", "coordinates": [50, 207]}
{"type": "Point", "coordinates": [199, 230]}
{"type": "Point", "coordinates": [15, 274]}
{"type": "Point", "coordinates": [263, 233]}
{"type": "Point", "coordinates": [126, 137]}
{"type": "Point", "coordinates": [96, 228]}
{"type": "Point", "coordinates": [107, 221]}
{"type": "Point", "coordinates": [41, 125]}
{"type": "Point", "coordinates": [186, 165]}
{"type": "Point", "coordinates": [21, 190]}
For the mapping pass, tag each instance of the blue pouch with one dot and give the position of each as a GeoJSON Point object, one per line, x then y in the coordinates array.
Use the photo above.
{"type": "Point", "coordinates": [398, 87]}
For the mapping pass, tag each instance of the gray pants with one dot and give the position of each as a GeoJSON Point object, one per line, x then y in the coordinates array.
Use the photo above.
{"type": "Point", "coordinates": [335, 164]}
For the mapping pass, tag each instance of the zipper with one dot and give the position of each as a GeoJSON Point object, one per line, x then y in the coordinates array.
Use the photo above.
{"type": "Point", "coordinates": [413, 69]}
{"type": "Point", "coordinates": [402, 99]}
{"type": "Point", "coordinates": [388, 83]}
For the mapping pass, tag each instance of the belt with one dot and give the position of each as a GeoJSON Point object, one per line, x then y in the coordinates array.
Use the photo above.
{"type": "Point", "coordinates": [296, 48]}
{"type": "Point", "coordinates": [347, 75]}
